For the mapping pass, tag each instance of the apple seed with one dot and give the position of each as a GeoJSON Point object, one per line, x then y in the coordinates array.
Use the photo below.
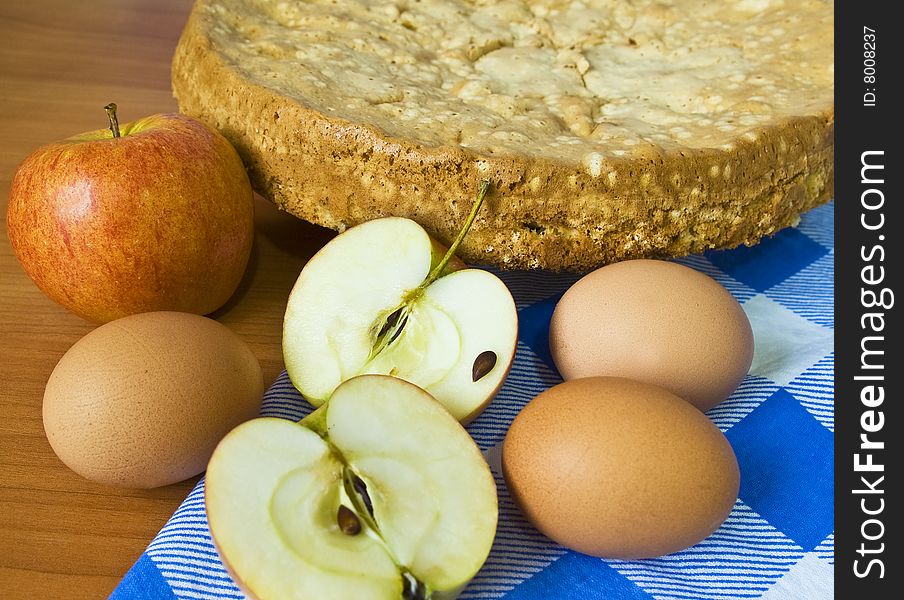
{"type": "Point", "coordinates": [412, 587]}
{"type": "Point", "coordinates": [483, 364]}
{"type": "Point", "coordinates": [348, 521]}
{"type": "Point", "coordinates": [361, 488]}
{"type": "Point", "coordinates": [391, 321]}
{"type": "Point", "coordinates": [398, 330]}
{"type": "Point", "coordinates": [391, 329]}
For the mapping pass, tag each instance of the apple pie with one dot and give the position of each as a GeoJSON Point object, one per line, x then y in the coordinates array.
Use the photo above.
{"type": "Point", "coordinates": [609, 129]}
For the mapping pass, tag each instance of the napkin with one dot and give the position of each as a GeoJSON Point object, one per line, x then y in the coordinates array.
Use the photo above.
{"type": "Point", "coordinates": [778, 541]}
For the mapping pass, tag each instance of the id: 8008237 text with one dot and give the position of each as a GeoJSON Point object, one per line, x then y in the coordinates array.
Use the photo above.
{"type": "Point", "coordinates": [869, 66]}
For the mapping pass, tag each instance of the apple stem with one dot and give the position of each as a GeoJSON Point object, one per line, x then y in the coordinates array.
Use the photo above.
{"type": "Point", "coordinates": [438, 269]}
{"type": "Point", "coordinates": [391, 327]}
{"type": "Point", "coordinates": [114, 122]}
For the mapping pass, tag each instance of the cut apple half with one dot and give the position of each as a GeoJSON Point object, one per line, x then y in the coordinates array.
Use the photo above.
{"type": "Point", "coordinates": [380, 493]}
{"type": "Point", "coordinates": [385, 298]}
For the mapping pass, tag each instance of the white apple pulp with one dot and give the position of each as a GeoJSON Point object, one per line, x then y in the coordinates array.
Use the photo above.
{"type": "Point", "coordinates": [343, 297]}
{"type": "Point", "coordinates": [273, 491]}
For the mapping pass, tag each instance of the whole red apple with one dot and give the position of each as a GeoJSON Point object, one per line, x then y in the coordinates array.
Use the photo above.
{"type": "Point", "coordinates": [157, 215]}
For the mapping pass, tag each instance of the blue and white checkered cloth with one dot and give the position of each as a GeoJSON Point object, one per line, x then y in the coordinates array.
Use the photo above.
{"type": "Point", "coordinates": [778, 541]}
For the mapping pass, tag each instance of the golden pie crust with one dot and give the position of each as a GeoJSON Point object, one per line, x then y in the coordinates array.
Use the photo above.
{"type": "Point", "coordinates": [610, 130]}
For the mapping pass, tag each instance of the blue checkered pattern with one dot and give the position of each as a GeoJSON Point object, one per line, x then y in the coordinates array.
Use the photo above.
{"type": "Point", "coordinates": [777, 543]}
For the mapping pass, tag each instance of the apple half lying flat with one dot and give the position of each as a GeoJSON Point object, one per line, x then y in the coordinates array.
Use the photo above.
{"type": "Point", "coordinates": [380, 493]}
{"type": "Point", "coordinates": [384, 297]}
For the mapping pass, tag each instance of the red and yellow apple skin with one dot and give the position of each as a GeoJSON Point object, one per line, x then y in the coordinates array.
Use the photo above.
{"type": "Point", "coordinates": [161, 218]}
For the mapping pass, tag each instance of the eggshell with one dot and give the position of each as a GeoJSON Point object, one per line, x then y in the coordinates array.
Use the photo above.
{"type": "Point", "coordinates": [142, 401]}
{"type": "Point", "coordinates": [619, 469]}
{"type": "Point", "coordinates": [654, 321]}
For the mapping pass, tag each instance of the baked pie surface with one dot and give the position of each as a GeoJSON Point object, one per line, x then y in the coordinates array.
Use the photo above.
{"type": "Point", "coordinates": [610, 130]}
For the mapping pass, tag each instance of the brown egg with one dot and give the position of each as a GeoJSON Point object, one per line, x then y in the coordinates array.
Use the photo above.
{"type": "Point", "coordinates": [142, 401]}
{"type": "Point", "coordinates": [619, 469]}
{"type": "Point", "coordinates": [654, 321]}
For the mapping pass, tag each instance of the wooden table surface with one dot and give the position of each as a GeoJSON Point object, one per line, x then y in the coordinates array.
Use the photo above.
{"type": "Point", "coordinates": [60, 62]}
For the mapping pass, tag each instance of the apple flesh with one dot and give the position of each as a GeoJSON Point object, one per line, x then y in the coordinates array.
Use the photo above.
{"type": "Point", "coordinates": [365, 303]}
{"type": "Point", "coordinates": [161, 218]}
{"type": "Point", "coordinates": [380, 493]}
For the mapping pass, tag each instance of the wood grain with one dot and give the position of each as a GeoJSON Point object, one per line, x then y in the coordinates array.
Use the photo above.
{"type": "Point", "coordinates": [60, 63]}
